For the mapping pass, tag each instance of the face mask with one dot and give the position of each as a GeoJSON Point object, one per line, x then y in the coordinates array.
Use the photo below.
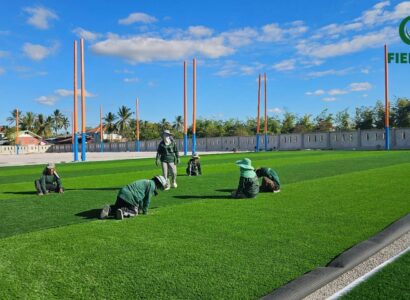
{"type": "Point", "coordinates": [167, 140]}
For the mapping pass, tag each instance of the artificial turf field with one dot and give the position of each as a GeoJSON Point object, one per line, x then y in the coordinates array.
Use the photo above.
{"type": "Point", "coordinates": [196, 242]}
{"type": "Point", "coordinates": [381, 286]}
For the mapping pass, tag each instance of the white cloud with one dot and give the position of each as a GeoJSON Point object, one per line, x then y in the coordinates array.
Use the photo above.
{"type": "Point", "coordinates": [137, 18]}
{"type": "Point", "coordinates": [229, 68]}
{"type": "Point", "coordinates": [67, 93]}
{"type": "Point", "coordinates": [360, 86]}
{"type": "Point", "coordinates": [47, 100]}
{"type": "Point", "coordinates": [87, 35]}
{"type": "Point", "coordinates": [285, 65]}
{"type": "Point", "coordinates": [240, 37]}
{"type": "Point", "coordinates": [315, 93]}
{"type": "Point", "coordinates": [200, 31]}
{"type": "Point", "coordinates": [152, 84]}
{"type": "Point", "coordinates": [355, 44]}
{"type": "Point", "coordinates": [131, 80]}
{"type": "Point", "coordinates": [335, 92]}
{"type": "Point", "coordinates": [329, 72]}
{"type": "Point", "coordinates": [40, 16]}
{"type": "Point", "coordinates": [147, 49]}
{"type": "Point", "coordinates": [365, 71]}
{"type": "Point", "coordinates": [275, 33]}
{"type": "Point", "coordinates": [39, 52]}
{"type": "Point", "coordinates": [275, 110]}
{"type": "Point", "coordinates": [124, 71]}
{"type": "Point", "coordinates": [329, 99]}
{"type": "Point", "coordinates": [2, 71]}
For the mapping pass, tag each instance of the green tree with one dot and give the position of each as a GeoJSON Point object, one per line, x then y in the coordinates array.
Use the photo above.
{"type": "Point", "coordinates": [288, 122]}
{"type": "Point", "coordinates": [109, 122]}
{"type": "Point", "coordinates": [57, 121]}
{"type": "Point", "coordinates": [65, 123]}
{"type": "Point", "coordinates": [124, 116]}
{"type": "Point", "coordinates": [401, 113]}
{"type": "Point", "coordinates": [324, 121]}
{"type": "Point", "coordinates": [364, 118]}
{"type": "Point", "coordinates": [342, 120]}
{"type": "Point", "coordinates": [42, 125]}
{"type": "Point", "coordinates": [28, 121]}
{"type": "Point", "coordinates": [304, 124]}
{"type": "Point", "coordinates": [12, 119]}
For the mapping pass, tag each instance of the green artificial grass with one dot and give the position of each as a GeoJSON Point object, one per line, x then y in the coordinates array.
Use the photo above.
{"type": "Point", "coordinates": [196, 242]}
{"type": "Point", "coordinates": [392, 282]}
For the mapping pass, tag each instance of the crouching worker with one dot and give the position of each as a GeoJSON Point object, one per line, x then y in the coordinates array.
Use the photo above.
{"type": "Point", "coordinates": [194, 166]}
{"type": "Point", "coordinates": [50, 181]}
{"type": "Point", "coordinates": [248, 182]}
{"type": "Point", "coordinates": [270, 180]}
{"type": "Point", "coordinates": [134, 198]}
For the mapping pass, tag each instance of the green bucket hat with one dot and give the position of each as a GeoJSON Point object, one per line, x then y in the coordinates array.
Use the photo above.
{"type": "Point", "coordinates": [245, 164]}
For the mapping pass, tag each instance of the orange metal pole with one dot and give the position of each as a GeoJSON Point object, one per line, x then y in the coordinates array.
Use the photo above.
{"type": "Point", "coordinates": [386, 90]}
{"type": "Point", "coordinates": [17, 126]}
{"type": "Point", "coordinates": [185, 101]}
{"type": "Point", "coordinates": [259, 105]}
{"type": "Point", "coordinates": [137, 121]}
{"type": "Point", "coordinates": [194, 98]}
{"type": "Point", "coordinates": [82, 88]}
{"type": "Point", "coordinates": [72, 127]}
{"type": "Point", "coordinates": [266, 109]}
{"type": "Point", "coordinates": [75, 89]}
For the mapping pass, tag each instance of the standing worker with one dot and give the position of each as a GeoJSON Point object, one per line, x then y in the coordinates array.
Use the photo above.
{"type": "Point", "coordinates": [168, 156]}
{"type": "Point", "coordinates": [134, 198]}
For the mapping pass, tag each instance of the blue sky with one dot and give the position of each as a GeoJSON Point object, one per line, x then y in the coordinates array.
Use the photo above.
{"type": "Point", "coordinates": [316, 54]}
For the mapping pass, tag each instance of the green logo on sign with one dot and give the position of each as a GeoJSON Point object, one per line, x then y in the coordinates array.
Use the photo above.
{"type": "Point", "coordinates": [404, 33]}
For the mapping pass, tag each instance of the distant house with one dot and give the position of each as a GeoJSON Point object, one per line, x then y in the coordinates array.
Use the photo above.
{"type": "Point", "coordinates": [3, 139]}
{"type": "Point", "coordinates": [95, 133]}
{"type": "Point", "coordinates": [26, 137]}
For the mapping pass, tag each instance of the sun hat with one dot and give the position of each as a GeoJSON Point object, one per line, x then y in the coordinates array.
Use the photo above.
{"type": "Point", "coordinates": [195, 155]}
{"type": "Point", "coordinates": [245, 164]}
{"type": "Point", "coordinates": [167, 132]}
{"type": "Point", "coordinates": [51, 166]}
{"type": "Point", "coordinates": [161, 180]}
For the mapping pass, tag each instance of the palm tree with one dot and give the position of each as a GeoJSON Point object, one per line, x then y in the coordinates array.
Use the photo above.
{"type": "Point", "coordinates": [178, 124]}
{"type": "Point", "coordinates": [12, 119]}
{"type": "Point", "coordinates": [27, 121]}
{"type": "Point", "coordinates": [65, 122]}
{"type": "Point", "coordinates": [57, 118]}
{"type": "Point", "coordinates": [43, 125]}
{"type": "Point", "coordinates": [124, 114]}
{"type": "Point", "coordinates": [109, 122]}
{"type": "Point", "coordinates": [164, 124]}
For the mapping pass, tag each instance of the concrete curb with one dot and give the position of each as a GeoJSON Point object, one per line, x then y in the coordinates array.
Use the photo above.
{"type": "Point", "coordinates": [311, 281]}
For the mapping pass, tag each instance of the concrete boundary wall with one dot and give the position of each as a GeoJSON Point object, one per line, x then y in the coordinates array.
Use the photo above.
{"type": "Point", "coordinates": [343, 140]}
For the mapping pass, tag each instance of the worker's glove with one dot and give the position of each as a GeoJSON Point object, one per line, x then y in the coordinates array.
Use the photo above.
{"type": "Point", "coordinates": [178, 161]}
{"type": "Point", "coordinates": [157, 162]}
{"type": "Point", "coordinates": [61, 190]}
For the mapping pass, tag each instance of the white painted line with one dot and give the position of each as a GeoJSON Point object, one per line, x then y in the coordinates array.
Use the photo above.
{"type": "Point", "coordinates": [359, 280]}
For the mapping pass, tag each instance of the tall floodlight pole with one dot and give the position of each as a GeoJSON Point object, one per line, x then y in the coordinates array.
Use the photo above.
{"type": "Point", "coordinates": [137, 126]}
{"type": "Point", "coordinates": [194, 109]}
{"type": "Point", "coordinates": [266, 118]}
{"type": "Point", "coordinates": [83, 132]}
{"type": "Point", "coordinates": [17, 131]}
{"type": "Point", "coordinates": [258, 116]}
{"type": "Point", "coordinates": [101, 131]}
{"type": "Point", "coordinates": [386, 101]}
{"type": "Point", "coordinates": [75, 111]}
{"type": "Point", "coordinates": [185, 113]}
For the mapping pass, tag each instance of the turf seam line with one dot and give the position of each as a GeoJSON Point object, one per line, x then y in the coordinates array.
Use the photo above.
{"type": "Point", "coordinates": [347, 260]}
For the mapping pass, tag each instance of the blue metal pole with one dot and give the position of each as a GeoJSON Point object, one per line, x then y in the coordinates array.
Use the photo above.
{"type": "Point", "coordinates": [83, 147]}
{"type": "Point", "coordinates": [194, 143]}
{"type": "Point", "coordinates": [75, 148]}
{"type": "Point", "coordinates": [257, 143]}
{"type": "Point", "coordinates": [185, 144]}
{"type": "Point", "coordinates": [17, 149]}
{"type": "Point", "coordinates": [266, 142]}
{"type": "Point", "coordinates": [137, 146]}
{"type": "Point", "coordinates": [387, 138]}
{"type": "Point", "coordinates": [102, 146]}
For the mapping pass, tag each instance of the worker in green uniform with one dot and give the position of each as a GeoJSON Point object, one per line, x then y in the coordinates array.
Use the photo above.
{"type": "Point", "coordinates": [168, 156]}
{"type": "Point", "coordinates": [248, 186]}
{"type": "Point", "coordinates": [194, 166]}
{"type": "Point", "coordinates": [50, 181]}
{"type": "Point", "coordinates": [270, 180]}
{"type": "Point", "coordinates": [134, 198]}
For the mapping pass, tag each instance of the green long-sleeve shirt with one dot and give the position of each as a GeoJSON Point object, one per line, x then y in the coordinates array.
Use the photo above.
{"type": "Point", "coordinates": [271, 174]}
{"type": "Point", "coordinates": [138, 193]}
{"type": "Point", "coordinates": [54, 180]}
{"type": "Point", "coordinates": [248, 186]}
{"type": "Point", "coordinates": [167, 153]}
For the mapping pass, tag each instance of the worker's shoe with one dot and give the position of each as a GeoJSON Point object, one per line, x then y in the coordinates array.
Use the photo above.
{"type": "Point", "coordinates": [167, 187]}
{"type": "Point", "coordinates": [119, 215]}
{"type": "Point", "coordinates": [174, 185]}
{"type": "Point", "coordinates": [276, 191]}
{"type": "Point", "coordinates": [105, 212]}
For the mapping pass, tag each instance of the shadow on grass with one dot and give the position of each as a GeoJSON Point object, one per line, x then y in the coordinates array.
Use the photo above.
{"type": "Point", "coordinates": [90, 214]}
{"type": "Point", "coordinates": [203, 197]}
{"type": "Point", "coordinates": [225, 190]}
{"type": "Point", "coordinates": [22, 193]}
{"type": "Point", "coordinates": [95, 189]}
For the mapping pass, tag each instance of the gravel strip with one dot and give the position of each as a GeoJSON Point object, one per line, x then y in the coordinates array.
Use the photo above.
{"type": "Point", "coordinates": [365, 267]}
